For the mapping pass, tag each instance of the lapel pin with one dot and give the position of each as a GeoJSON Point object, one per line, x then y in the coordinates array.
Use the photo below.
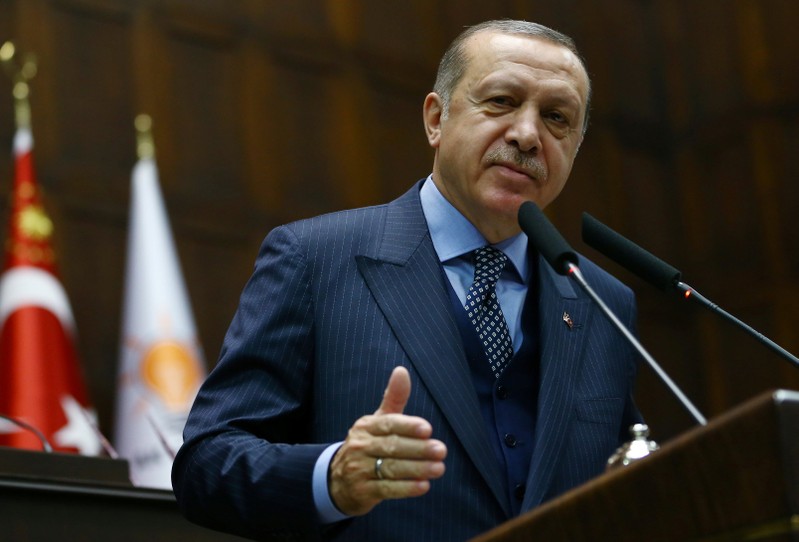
{"type": "Point", "coordinates": [568, 320]}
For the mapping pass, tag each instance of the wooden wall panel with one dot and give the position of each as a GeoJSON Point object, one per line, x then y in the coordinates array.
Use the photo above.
{"type": "Point", "coordinates": [305, 25]}
{"type": "Point", "coordinates": [267, 111]}
{"type": "Point", "coordinates": [725, 128]}
{"type": "Point", "coordinates": [206, 158]}
{"type": "Point", "coordinates": [263, 117]}
{"type": "Point", "coordinates": [8, 18]}
{"type": "Point", "coordinates": [393, 32]}
{"type": "Point", "coordinates": [403, 154]}
{"type": "Point", "coordinates": [92, 55]}
{"type": "Point", "coordinates": [787, 194]}
{"type": "Point", "coordinates": [309, 187]}
{"type": "Point", "coordinates": [90, 249]}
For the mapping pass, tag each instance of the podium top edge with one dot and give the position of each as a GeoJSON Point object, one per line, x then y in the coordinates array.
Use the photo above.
{"type": "Point", "coordinates": [786, 396]}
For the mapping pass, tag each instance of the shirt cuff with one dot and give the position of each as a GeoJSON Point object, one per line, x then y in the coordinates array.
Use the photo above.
{"type": "Point", "coordinates": [325, 508]}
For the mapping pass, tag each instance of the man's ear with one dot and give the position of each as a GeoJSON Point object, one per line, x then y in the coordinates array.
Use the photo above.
{"type": "Point", "coordinates": [432, 113]}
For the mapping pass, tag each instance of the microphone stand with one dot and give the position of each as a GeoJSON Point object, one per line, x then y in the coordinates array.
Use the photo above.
{"type": "Point", "coordinates": [661, 274]}
{"type": "Point", "coordinates": [562, 259]}
{"type": "Point", "coordinates": [46, 446]}
{"type": "Point", "coordinates": [574, 272]}
{"type": "Point", "coordinates": [689, 293]}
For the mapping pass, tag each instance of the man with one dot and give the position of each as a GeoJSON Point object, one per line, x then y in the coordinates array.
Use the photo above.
{"type": "Point", "coordinates": [490, 398]}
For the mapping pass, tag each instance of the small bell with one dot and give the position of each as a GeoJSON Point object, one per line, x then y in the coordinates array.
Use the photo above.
{"type": "Point", "coordinates": [639, 447]}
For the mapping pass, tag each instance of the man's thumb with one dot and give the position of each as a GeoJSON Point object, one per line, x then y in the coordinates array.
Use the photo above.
{"type": "Point", "coordinates": [397, 392]}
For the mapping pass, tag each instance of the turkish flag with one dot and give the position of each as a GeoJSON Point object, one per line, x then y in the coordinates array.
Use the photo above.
{"type": "Point", "coordinates": [41, 383]}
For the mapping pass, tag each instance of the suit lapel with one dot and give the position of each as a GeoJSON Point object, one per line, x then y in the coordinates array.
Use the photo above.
{"type": "Point", "coordinates": [406, 280]}
{"type": "Point", "coordinates": [562, 347]}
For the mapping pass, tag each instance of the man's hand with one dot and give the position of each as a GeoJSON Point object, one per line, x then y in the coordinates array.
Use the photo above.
{"type": "Point", "coordinates": [410, 458]}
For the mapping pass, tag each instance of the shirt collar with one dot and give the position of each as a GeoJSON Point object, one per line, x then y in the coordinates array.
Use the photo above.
{"type": "Point", "coordinates": [454, 236]}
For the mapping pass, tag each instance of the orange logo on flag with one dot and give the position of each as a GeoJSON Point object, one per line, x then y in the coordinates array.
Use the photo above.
{"type": "Point", "coordinates": [172, 371]}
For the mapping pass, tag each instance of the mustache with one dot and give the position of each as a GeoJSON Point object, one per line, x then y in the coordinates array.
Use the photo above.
{"type": "Point", "coordinates": [527, 162]}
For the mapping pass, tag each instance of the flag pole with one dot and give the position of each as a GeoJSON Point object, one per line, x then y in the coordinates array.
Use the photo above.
{"type": "Point", "coordinates": [20, 75]}
{"type": "Point", "coordinates": [145, 146]}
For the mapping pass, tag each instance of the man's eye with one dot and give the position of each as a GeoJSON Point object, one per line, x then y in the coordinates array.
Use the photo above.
{"type": "Point", "coordinates": [559, 117]}
{"type": "Point", "coordinates": [500, 100]}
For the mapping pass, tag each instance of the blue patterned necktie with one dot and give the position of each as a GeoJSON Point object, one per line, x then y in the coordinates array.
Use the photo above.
{"type": "Point", "coordinates": [482, 308]}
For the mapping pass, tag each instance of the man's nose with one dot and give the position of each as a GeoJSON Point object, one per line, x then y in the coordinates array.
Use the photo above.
{"type": "Point", "coordinates": [525, 130]}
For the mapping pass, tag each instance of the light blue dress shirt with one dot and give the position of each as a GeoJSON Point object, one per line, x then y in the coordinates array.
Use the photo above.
{"type": "Point", "coordinates": [454, 239]}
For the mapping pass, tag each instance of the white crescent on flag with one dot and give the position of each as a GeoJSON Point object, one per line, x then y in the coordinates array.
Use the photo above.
{"type": "Point", "coordinates": [33, 287]}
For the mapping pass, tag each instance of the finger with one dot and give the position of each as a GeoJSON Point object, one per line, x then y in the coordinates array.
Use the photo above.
{"type": "Point", "coordinates": [395, 424]}
{"type": "Point", "coordinates": [405, 448]}
{"type": "Point", "coordinates": [403, 469]}
{"type": "Point", "coordinates": [397, 392]}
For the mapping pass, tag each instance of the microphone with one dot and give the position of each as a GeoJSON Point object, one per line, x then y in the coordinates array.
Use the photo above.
{"type": "Point", "coordinates": [171, 452]}
{"type": "Point", "coordinates": [546, 239]}
{"type": "Point", "coordinates": [46, 446]}
{"type": "Point", "coordinates": [626, 253]}
{"type": "Point", "coordinates": [661, 275]}
{"type": "Point", "coordinates": [557, 252]}
{"type": "Point", "coordinates": [110, 450]}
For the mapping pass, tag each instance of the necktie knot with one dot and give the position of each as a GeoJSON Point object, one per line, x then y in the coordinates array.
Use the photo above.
{"type": "Point", "coordinates": [488, 264]}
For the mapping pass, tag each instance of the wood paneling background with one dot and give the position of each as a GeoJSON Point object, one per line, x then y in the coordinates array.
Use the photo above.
{"type": "Point", "coordinates": [267, 111]}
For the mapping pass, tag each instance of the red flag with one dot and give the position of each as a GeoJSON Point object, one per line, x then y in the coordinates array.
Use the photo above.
{"type": "Point", "coordinates": [40, 379]}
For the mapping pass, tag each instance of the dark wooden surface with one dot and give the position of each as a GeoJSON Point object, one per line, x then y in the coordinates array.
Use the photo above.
{"type": "Point", "coordinates": [45, 497]}
{"type": "Point", "coordinates": [267, 111]}
{"type": "Point", "coordinates": [733, 480]}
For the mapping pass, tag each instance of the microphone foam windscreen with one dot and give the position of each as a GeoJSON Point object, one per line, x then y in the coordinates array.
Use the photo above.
{"type": "Point", "coordinates": [629, 255]}
{"type": "Point", "coordinates": [545, 238]}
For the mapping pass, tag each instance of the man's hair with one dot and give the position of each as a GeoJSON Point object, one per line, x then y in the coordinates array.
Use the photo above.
{"type": "Point", "coordinates": [455, 60]}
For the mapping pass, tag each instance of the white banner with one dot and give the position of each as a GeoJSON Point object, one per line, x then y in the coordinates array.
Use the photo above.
{"type": "Point", "coordinates": [161, 362]}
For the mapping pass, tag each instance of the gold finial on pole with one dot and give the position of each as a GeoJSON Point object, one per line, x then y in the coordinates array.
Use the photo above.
{"type": "Point", "coordinates": [20, 74]}
{"type": "Point", "coordinates": [145, 147]}
{"type": "Point", "coordinates": [7, 51]}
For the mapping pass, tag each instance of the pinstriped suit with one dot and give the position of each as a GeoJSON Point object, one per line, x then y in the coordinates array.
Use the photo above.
{"type": "Point", "coordinates": [334, 304]}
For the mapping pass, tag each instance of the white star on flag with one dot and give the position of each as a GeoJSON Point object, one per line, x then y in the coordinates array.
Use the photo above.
{"type": "Point", "coordinates": [78, 432]}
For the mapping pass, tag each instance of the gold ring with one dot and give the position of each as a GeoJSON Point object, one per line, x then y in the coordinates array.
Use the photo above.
{"type": "Point", "coordinates": [378, 466]}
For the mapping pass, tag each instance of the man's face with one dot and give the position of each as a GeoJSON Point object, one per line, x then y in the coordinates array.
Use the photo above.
{"type": "Point", "coordinates": [513, 129]}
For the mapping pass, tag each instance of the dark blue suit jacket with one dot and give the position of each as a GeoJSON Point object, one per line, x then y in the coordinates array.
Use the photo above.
{"type": "Point", "coordinates": [335, 303]}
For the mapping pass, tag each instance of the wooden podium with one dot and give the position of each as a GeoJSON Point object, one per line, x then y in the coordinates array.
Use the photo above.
{"type": "Point", "coordinates": [55, 496]}
{"type": "Point", "coordinates": [735, 479]}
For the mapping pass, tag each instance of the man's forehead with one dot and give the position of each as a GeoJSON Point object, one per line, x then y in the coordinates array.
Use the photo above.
{"type": "Point", "coordinates": [487, 49]}
{"type": "Point", "coordinates": [489, 43]}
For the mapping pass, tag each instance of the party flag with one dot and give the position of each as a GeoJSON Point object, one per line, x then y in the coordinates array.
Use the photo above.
{"type": "Point", "coordinates": [161, 364]}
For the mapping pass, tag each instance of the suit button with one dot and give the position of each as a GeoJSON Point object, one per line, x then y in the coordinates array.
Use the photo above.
{"type": "Point", "coordinates": [502, 392]}
{"type": "Point", "coordinates": [510, 441]}
{"type": "Point", "coordinates": [518, 492]}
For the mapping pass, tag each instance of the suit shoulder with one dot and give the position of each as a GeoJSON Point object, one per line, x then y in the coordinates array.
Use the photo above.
{"type": "Point", "coordinates": [336, 233]}
{"type": "Point", "coordinates": [361, 227]}
{"type": "Point", "coordinates": [337, 223]}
